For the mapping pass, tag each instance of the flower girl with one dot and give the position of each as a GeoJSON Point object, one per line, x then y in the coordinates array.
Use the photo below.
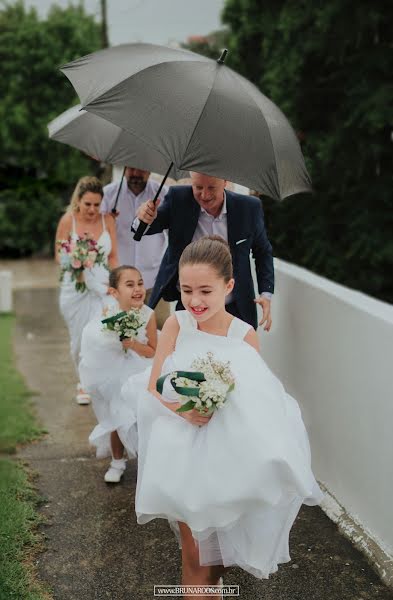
{"type": "Point", "coordinates": [223, 453]}
{"type": "Point", "coordinates": [113, 348]}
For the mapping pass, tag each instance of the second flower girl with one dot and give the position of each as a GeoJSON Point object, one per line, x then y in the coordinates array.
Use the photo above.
{"type": "Point", "coordinates": [120, 344]}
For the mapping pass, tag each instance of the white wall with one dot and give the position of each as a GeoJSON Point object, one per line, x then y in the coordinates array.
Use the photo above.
{"type": "Point", "coordinates": [333, 349]}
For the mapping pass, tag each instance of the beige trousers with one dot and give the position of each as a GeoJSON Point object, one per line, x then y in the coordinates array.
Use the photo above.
{"type": "Point", "coordinates": [162, 310]}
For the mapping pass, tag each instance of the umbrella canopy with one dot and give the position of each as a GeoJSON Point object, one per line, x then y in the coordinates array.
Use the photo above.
{"type": "Point", "coordinates": [198, 113]}
{"type": "Point", "coordinates": [107, 142]}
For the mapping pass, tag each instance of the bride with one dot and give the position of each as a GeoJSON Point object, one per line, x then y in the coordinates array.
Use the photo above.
{"type": "Point", "coordinates": [79, 307]}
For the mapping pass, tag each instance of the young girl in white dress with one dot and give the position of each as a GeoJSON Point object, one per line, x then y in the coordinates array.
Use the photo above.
{"type": "Point", "coordinates": [230, 484]}
{"type": "Point", "coordinates": [78, 308]}
{"type": "Point", "coordinates": [106, 363]}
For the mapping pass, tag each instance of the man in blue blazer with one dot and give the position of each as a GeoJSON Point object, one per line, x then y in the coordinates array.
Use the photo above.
{"type": "Point", "coordinates": [206, 208]}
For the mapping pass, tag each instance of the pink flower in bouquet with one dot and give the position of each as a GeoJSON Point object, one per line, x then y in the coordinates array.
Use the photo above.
{"type": "Point", "coordinates": [76, 264]}
{"type": "Point", "coordinates": [88, 264]}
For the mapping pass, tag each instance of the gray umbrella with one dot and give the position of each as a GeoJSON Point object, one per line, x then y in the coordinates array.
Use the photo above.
{"type": "Point", "coordinates": [199, 113]}
{"type": "Point", "coordinates": [107, 142]}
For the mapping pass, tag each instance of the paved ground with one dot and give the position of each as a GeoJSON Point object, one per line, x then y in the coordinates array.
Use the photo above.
{"type": "Point", "coordinates": [94, 548]}
{"type": "Point", "coordinates": [32, 273]}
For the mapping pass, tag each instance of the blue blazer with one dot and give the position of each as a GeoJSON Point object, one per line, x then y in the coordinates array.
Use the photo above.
{"type": "Point", "coordinates": [179, 214]}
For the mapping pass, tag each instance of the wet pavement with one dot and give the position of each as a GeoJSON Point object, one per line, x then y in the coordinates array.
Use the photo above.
{"type": "Point", "coordinates": [94, 548]}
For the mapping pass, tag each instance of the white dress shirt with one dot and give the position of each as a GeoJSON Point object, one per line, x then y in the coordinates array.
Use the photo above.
{"type": "Point", "coordinates": [145, 255]}
{"type": "Point", "coordinates": [209, 225]}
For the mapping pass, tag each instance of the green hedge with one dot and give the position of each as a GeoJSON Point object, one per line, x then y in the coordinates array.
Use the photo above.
{"type": "Point", "coordinates": [28, 219]}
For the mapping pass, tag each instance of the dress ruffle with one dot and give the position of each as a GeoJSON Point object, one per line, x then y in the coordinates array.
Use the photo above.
{"type": "Point", "coordinates": [104, 368]}
{"type": "Point", "coordinates": [237, 482]}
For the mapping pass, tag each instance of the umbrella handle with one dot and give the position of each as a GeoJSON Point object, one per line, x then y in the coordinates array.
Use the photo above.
{"type": "Point", "coordinates": [143, 226]}
{"type": "Point", "coordinates": [113, 211]}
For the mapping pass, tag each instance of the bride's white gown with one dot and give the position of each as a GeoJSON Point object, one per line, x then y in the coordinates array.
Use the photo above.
{"type": "Point", "coordinates": [239, 481]}
{"type": "Point", "coordinates": [103, 369]}
{"type": "Point", "coordinates": [78, 308]}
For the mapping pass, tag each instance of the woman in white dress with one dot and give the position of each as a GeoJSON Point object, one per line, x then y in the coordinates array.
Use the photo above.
{"type": "Point", "coordinates": [106, 363]}
{"type": "Point", "coordinates": [230, 484]}
{"type": "Point", "coordinates": [78, 308]}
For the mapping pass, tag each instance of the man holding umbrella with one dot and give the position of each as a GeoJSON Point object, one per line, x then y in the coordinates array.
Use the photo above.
{"type": "Point", "coordinates": [145, 255]}
{"type": "Point", "coordinates": [207, 208]}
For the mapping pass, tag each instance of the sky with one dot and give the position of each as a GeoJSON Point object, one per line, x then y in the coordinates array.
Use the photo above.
{"type": "Point", "coordinates": [154, 21]}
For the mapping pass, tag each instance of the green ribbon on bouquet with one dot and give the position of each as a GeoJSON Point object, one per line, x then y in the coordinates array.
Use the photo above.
{"type": "Point", "coordinates": [183, 391]}
{"type": "Point", "coordinates": [115, 318]}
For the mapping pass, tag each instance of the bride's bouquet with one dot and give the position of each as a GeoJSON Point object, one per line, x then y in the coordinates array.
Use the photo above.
{"type": "Point", "coordinates": [78, 255]}
{"type": "Point", "coordinates": [125, 323]}
{"type": "Point", "coordinates": [205, 389]}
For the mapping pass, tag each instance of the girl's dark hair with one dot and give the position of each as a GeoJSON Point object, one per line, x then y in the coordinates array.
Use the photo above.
{"type": "Point", "coordinates": [114, 275]}
{"type": "Point", "coordinates": [210, 250]}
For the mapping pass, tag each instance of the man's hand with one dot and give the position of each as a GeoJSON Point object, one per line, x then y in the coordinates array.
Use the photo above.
{"type": "Point", "coordinates": [147, 211]}
{"type": "Point", "coordinates": [266, 316]}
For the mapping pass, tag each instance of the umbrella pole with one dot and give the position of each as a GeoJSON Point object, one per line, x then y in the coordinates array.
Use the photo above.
{"type": "Point", "coordinates": [113, 211]}
{"type": "Point", "coordinates": [143, 226]}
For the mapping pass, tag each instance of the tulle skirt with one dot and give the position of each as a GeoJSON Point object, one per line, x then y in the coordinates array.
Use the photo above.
{"type": "Point", "coordinates": [78, 308]}
{"type": "Point", "coordinates": [237, 482]}
{"type": "Point", "coordinates": [104, 367]}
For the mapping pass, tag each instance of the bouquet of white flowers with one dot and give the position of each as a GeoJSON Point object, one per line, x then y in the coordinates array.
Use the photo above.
{"type": "Point", "coordinates": [126, 324]}
{"type": "Point", "coordinates": [204, 389]}
{"type": "Point", "coordinates": [78, 255]}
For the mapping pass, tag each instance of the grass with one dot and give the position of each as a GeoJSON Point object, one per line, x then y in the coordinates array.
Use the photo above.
{"type": "Point", "coordinates": [18, 499]}
{"type": "Point", "coordinates": [17, 422]}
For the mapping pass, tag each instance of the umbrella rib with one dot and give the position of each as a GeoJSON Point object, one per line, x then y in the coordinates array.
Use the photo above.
{"type": "Point", "coordinates": [200, 114]}
{"type": "Point", "coordinates": [270, 135]}
{"type": "Point", "coordinates": [131, 132]}
{"type": "Point", "coordinates": [300, 189]}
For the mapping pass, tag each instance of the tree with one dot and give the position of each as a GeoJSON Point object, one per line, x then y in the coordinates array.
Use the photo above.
{"type": "Point", "coordinates": [32, 89]}
{"type": "Point", "coordinates": [37, 174]}
{"type": "Point", "coordinates": [327, 66]}
{"type": "Point", "coordinates": [104, 25]}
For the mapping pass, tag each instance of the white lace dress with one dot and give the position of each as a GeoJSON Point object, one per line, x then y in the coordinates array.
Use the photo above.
{"type": "Point", "coordinates": [239, 481]}
{"type": "Point", "coordinates": [78, 308]}
{"type": "Point", "coordinates": [103, 368]}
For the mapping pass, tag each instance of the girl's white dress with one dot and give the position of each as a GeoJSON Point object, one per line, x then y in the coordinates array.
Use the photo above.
{"type": "Point", "coordinates": [78, 308]}
{"type": "Point", "coordinates": [103, 368]}
{"type": "Point", "coordinates": [237, 482]}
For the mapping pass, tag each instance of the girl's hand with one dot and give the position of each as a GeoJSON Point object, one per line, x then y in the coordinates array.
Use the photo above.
{"type": "Point", "coordinates": [195, 418]}
{"type": "Point", "coordinates": [128, 344]}
{"type": "Point", "coordinates": [192, 416]}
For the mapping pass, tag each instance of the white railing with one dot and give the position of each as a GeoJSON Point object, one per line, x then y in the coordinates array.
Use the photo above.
{"type": "Point", "coordinates": [333, 349]}
{"type": "Point", "coordinates": [5, 291]}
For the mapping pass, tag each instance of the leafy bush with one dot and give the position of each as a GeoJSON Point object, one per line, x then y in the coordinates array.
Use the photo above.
{"type": "Point", "coordinates": [28, 219]}
{"type": "Point", "coordinates": [327, 66]}
{"type": "Point", "coordinates": [35, 172]}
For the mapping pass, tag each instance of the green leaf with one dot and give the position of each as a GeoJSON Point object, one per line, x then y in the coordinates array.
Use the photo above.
{"type": "Point", "coordinates": [186, 407]}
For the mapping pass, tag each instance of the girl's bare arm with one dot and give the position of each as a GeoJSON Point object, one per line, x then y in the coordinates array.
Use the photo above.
{"type": "Point", "coordinates": [62, 233]}
{"type": "Point", "coordinates": [146, 350]}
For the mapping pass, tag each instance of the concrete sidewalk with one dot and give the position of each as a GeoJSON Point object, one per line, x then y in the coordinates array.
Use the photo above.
{"type": "Point", "coordinates": [94, 548]}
